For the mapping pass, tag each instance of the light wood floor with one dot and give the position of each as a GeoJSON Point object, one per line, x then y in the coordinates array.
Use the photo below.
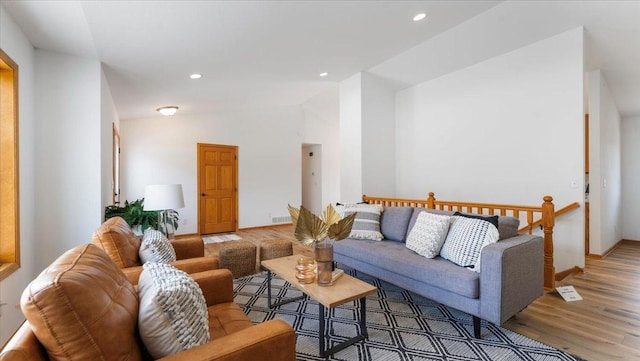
{"type": "Point", "coordinates": [604, 326]}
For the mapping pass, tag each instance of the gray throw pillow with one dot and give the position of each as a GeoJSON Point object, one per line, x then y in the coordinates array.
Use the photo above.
{"type": "Point", "coordinates": [508, 227]}
{"type": "Point", "coordinates": [394, 221]}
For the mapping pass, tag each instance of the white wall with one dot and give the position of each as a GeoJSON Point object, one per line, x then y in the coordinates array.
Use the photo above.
{"type": "Point", "coordinates": [605, 187]}
{"type": "Point", "coordinates": [630, 130]}
{"type": "Point", "coordinates": [312, 178]}
{"type": "Point", "coordinates": [15, 44]}
{"type": "Point", "coordinates": [378, 138]}
{"type": "Point", "coordinates": [68, 157]}
{"type": "Point", "coordinates": [351, 139]}
{"type": "Point", "coordinates": [367, 137]}
{"type": "Point", "coordinates": [321, 126]}
{"type": "Point", "coordinates": [162, 150]}
{"type": "Point", "coordinates": [506, 130]}
{"type": "Point", "coordinates": [108, 120]}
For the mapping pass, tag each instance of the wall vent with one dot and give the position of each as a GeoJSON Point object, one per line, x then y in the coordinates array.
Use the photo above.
{"type": "Point", "coordinates": [281, 219]}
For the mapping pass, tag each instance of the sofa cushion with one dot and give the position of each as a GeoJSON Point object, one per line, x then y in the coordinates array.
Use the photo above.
{"type": "Point", "coordinates": [74, 300]}
{"type": "Point", "coordinates": [117, 239]}
{"type": "Point", "coordinates": [508, 227]}
{"type": "Point", "coordinates": [396, 258]}
{"type": "Point", "coordinates": [155, 247]}
{"type": "Point", "coordinates": [173, 314]}
{"type": "Point", "coordinates": [417, 211]}
{"type": "Point", "coordinates": [465, 240]}
{"type": "Point", "coordinates": [367, 222]}
{"type": "Point", "coordinates": [394, 222]}
{"type": "Point", "coordinates": [491, 219]}
{"type": "Point", "coordinates": [226, 318]}
{"type": "Point", "coordinates": [428, 234]}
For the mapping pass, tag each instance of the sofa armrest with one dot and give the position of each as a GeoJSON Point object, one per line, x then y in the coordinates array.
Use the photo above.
{"type": "Point", "coordinates": [24, 346]}
{"type": "Point", "coordinates": [267, 341]}
{"type": "Point", "coordinates": [511, 276]}
{"type": "Point", "coordinates": [216, 285]}
{"type": "Point", "coordinates": [188, 248]}
{"type": "Point", "coordinates": [191, 265]}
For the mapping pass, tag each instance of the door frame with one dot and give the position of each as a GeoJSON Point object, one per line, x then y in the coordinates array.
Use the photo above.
{"type": "Point", "coordinates": [237, 206]}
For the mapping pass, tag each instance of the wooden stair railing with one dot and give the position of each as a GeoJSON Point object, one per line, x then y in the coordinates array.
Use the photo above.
{"type": "Point", "coordinates": [529, 227]}
{"type": "Point", "coordinates": [546, 211]}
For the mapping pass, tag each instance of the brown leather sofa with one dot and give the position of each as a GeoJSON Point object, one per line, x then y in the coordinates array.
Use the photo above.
{"type": "Point", "coordinates": [117, 239]}
{"type": "Point", "coordinates": [82, 307]}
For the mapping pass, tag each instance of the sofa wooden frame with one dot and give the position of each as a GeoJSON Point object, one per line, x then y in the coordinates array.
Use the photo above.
{"type": "Point", "coordinates": [546, 212]}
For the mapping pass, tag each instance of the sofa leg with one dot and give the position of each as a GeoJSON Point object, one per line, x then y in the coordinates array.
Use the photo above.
{"type": "Point", "coordinates": [476, 327]}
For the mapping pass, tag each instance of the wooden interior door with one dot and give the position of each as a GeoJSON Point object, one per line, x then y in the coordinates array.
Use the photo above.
{"type": "Point", "coordinates": [218, 188]}
{"type": "Point", "coordinates": [586, 177]}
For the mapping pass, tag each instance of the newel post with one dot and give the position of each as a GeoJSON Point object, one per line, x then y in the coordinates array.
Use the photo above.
{"type": "Point", "coordinates": [431, 201]}
{"type": "Point", "coordinates": [548, 221]}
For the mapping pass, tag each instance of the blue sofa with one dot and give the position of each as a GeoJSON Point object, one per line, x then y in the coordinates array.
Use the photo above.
{"type": "Point", "coordinates": [510, 279]}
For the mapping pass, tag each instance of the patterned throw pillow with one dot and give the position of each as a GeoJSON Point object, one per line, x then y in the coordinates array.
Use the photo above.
{"type": "Point", "coordinates": [465, 240]}
{"type": "Point", "coordinates": [428, 234]}
{"type": "Point", "coordinates": [173, 313]}
{"type": "Point", "coordinates": [155, 247]}
{"type": "Point", "coordinates": [367, 222]}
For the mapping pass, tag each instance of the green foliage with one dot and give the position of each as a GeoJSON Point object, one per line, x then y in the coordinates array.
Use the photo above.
{"type": "Point", "coordinates": [134, 214]}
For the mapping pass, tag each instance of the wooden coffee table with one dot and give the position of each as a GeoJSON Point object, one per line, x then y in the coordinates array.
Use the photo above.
{"type": "Point", "coordinates": [343, 290]}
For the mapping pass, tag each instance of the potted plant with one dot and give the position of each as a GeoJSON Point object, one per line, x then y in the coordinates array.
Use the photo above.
{"type": "Point", "coordinates": [139, 219]}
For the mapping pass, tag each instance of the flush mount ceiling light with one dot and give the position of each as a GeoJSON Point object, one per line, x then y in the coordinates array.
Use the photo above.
{"type": "Point", "coordinates": [169, 110]}
{"type": "Point", "coordinates": [195, 76]}
{"type": "Point", "coordinates": [419, 17]}
{"type": "Point", "coordinates": [324, 74]}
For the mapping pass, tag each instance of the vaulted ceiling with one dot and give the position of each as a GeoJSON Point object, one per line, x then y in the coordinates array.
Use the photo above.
{"type": "Point", "coordinates": [256, 53]}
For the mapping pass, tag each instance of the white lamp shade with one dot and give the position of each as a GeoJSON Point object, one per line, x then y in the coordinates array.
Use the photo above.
{"type": "Point", "coordinates": [168, 111]}
{"type": "Point", "coordinates": [160, 197]}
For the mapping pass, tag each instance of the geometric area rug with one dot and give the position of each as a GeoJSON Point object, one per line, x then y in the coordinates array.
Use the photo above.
{"type": "Point", "coordinates": [402, 326]}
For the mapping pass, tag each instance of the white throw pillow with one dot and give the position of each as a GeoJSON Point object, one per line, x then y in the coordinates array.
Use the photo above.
{"type": "Point", "coordinates": [367, 222]}
{"type": "Point", "coordinates": [428, 234]}
{"type": "Point", "coordinates": [173, 313]}
{"type": "Point", "coordinates": [466, 239]}
{"type": "Point", "coordinates": [155, 247]}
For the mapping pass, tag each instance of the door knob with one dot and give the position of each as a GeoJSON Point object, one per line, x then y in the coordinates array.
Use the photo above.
{"type": "Point", "coordinates": [202, 194]}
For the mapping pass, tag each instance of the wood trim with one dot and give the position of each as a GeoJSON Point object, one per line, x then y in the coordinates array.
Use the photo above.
{"type": "Point", "coordinates": [546, 210]}
{"type": "Point", "coordinates": [586, 143]}
{"type": "Point", "coordinates": [266, 227]}
{"type": "Point", "coordinates": [7, 269]}
{"type": "Point", "coordinates": [115, 188]}
{"type": "Point", "coordinates": [566, 273]}
{"type": "Point", "coordinates": [613, 248]}
{"type": "Point", "coordinates": [586, 229]}
{"type": "Point", "coordinates": [559, 212]}
{"type": "Point", "coordinates": [9, 166]}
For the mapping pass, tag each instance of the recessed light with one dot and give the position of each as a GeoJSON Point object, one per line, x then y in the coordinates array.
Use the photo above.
{"type": "Point", "coordinates": [195, 76]}
{"type": "Point", "coordinates": [419, 17]}
{"type": "Point", "coordinates": [168, 110]}
{"type": "Point", "coordinates": [324, 74]}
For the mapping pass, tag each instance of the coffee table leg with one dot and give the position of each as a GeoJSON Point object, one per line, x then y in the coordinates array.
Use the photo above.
{"type": "Point", "coordinates": [269, 288]}
{"type": "Point", "coordinates": [321, 331]}
{"type": "Point", "coordinates": [364, 334]}
{"type": "Point", "coordinates": [272, 305]}
{"type": "Point", "coordinates": [363, 317]}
